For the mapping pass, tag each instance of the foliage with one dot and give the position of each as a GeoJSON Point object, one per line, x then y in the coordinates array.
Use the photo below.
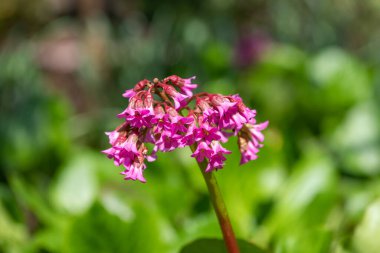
{"type": "Point", "coordinates": [315, 187]}
{"type": "Point", "coordinates": [216, 246]}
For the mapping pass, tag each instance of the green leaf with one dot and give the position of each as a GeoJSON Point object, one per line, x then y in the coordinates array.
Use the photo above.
{"type": "Point", "coordinates": [97, 231]}
{"type": "Point", "coordinates": [365, 239]}
{"type": "Point", "coordinates": [12, 234]}
{"type": "Point", "coordinates": [355, 140]}
{"type": "Point", "coordinates": [217, 246]}
{"type": "Point", "coordinates": [76, 186]}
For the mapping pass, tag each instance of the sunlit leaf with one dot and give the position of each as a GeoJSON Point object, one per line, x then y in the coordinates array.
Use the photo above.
{"type": "Point", "coordinates": [76, 186]}
{"type": "Point", "coordinates": [366, 237]}
{"type": "Point", "coordinates": [218, 246]}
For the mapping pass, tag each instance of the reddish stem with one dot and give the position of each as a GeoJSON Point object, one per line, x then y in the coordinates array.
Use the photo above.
{"type": "Point", "coordinates": [219, 207]}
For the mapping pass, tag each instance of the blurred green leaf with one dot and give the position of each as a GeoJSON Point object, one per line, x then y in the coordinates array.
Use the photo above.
{"type": "Point", "coordinates": [100, 231]}
{"type": "Point", "coordinates": [217, 57]}
{"type": "Point", "coordinates": [313, 180]}
{"type": "Point", "coordinates": [300, 240]}
{"type": "Point", "coordinates": [284, 57]}
{"type": "Point", "coordinates": [33, 200]}
{"type": "Point", "coordinates": [97, 231]}
{"type": "Point", "coordinates": [76, 186]}
{"type": "Point", "coordinates": [342, 79]}
{"type": "Point", "coordinates": [356, 140]}
{"type": "Point", "coordinates": [12, 235]}
{"type": "Point", "coordinates": [366, 236]}
{"type": "Point", "coordinates": [218, 246]}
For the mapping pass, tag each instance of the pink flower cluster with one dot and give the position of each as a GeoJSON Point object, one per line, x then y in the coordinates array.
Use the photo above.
{"type": "Point", "coordinates": [159, 113]}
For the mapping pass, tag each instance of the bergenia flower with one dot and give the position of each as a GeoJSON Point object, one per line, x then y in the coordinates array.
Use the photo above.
{"type": "Point", "coordinates": [135, 170]}
{"type": "Point", "coordinates": [185, 85]}
{"type": "Point", "coordinates": [217, 158]}
{"type": "Point", "coordinates": [139, 112]}
{"type": "Point", "coordinates": [178, 98]}
{"type": "Point", "coordinates": [208, 133]}
{"type": "Point", "coordinates": [159, 113]}
{"type": "Point", "coordinates": [203, 151]}
{"type": "Point", "coordinates": [139, 86]}
{"type": "Point", "coordinates": [250, 141]}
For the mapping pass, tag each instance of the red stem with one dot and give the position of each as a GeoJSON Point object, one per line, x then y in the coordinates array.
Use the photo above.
{"type": "Point", "coordinates": [219, 207]}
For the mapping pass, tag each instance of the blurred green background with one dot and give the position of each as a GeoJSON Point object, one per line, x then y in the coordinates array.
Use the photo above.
{"type": "Point", "coordinates": [312, 68]}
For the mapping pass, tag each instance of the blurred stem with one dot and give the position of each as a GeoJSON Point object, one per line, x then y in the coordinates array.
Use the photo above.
{"type": "Point", "coordinates": [219, 207]}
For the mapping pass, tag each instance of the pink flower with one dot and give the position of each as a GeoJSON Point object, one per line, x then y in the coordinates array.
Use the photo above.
{"type": "Point", "coordinates": [168, 141]}
{"type": "Point", "coordinates": [161, 120]}
{"type": "Point", "coordinates": [178, 98]}
{"type": "Point", "coordinates": [135, 171]}
{"type": "Point", "coordinates": [129, 93]}
{"type": "Point", "coordinates": [139, 86]}
{"type": "Point", "coordinates": [249, 153]}
{"type": "Point", "coordinates": [223, 105]}
{"type": "Point", "coordinates": [189, 137]}
{"type": "Point", "coordinates": [203, 151]}
{"type": "Point", "coordinates": [113, 137]}
{"type": "Point", "coordinates": [250, 140]}
{"type": "Point", "coordinates": [137, 117]}
{"type": "Point", "coordinates": [185, 85]}
{"type": "Point", "coordinates": [151, 117]}
{"type": "Point", "coordinates": [139, 113]}
{"type": "Point", "coordinates": [124, 149]}
{"type": "Point", "coordinates": [177, 123]}
{"type": "Point", "coordinates": [207, 133]}
{"type": "Point", "coordinates": [217, 158]}
{"type": "Point", "coordinates": [257, 135]}
{"type": "Point", "coordinates": [244, 111]}
{"type": "Point", "coordinates": [209, 113]}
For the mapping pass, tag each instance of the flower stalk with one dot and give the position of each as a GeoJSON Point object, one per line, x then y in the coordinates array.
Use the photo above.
{"type": "Point", "coordinates": [219, 207]}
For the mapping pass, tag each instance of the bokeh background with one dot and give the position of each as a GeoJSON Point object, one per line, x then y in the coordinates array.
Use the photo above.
{"type": "Point", "coordinates": [312, 68]}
